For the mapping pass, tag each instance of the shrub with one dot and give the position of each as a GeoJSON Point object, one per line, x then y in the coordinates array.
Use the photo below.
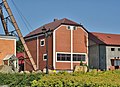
{"type": "Point", "coordinates": [90, 79]}
{"type": "Point", "coordinates": [19, 80]}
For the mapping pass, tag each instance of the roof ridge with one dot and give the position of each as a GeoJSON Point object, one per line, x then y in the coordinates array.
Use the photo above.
{"type": "Point", "coordinates": [63, 20]}
{"type": "Point", "coordinates": [104, 33]}
{"type": "Point", "coordinates": [53, 25]}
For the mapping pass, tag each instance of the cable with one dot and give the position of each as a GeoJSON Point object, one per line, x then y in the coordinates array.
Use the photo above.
{"type": "Point", "coordinates": [22, 17]}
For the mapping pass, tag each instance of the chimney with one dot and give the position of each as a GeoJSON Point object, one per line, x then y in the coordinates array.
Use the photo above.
{"type": "Point", "coordinates": [55, 19]}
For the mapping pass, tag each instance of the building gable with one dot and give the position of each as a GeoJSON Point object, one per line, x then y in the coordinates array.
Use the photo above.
{"type": "Point", "coordinates": [52, 26]}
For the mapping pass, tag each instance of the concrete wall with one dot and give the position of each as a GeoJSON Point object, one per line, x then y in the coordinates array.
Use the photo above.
{"type": "Point", "coordinates": [97, 56]}
{"type": "Point", "coordinates": [93, 55]}
{"type": "Point", "coordinates": [102, 57]}
{"type": "Point", "coordinates": [111, 54]}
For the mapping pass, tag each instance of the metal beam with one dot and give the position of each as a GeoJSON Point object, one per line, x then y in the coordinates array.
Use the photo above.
{"type": "Point", "coordinates": [3, 22]}
{"type": "Point", "coordinates": [19, 33]}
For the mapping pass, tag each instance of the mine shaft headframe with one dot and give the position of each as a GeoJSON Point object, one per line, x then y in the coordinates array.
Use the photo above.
{"type": "Point", "coordinates": [6, 6]}
{"type": "Point", "coordinates": [3, 20]}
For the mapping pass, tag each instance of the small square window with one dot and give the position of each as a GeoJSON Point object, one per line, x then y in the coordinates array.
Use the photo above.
{"type": "Point", "coordinates": [42, 42]}
{"type": "Point", "coordinates": [74, 28]}
{"type": "Point", "coordinates": [69, 27]}
{"type": "Point", "coordinates": [112, 49]}
{"type": "Point", "coordinates": [118, 49]}
{"type": "Point", "coordinates": [44, 57]}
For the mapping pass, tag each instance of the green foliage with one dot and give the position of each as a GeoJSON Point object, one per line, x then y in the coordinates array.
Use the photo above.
{"type": "Point", "coordinates": [81, 63]}
{"type": "Point", "coordinates": [19, 46]}
{"type": "Point", "coordinates": [90, 79]}
{"type": "Point", "coordinates": [19, 80]}
{"type": "Point", "coordinates": [63, 79]}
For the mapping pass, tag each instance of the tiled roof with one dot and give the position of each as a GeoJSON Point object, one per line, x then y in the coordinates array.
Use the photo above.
{"type": "Point", "coordinates": [52, 26]}
{"type": "Point", "coordinates": [104, 38]}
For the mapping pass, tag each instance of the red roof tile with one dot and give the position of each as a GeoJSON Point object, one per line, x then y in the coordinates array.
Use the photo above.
{"type": "Point", "coordinates": [108, 39]}
{"type": "Point", "coordinates": [52, 26]}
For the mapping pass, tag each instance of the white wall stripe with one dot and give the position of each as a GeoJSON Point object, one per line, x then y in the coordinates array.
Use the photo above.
{"type": "Point", "coordinates": [71, 48]}
{"type": "Point", "coordinates": [37, 52]}
{"type": "Point", "coordinates": [54, 57]}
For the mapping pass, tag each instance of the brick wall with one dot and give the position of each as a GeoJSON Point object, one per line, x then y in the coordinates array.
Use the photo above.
{"type": "Point", "coordinates": [6, 47]}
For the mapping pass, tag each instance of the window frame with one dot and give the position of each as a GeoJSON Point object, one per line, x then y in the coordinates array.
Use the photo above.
{"type": "Point", "coordinates": [44, 57]}
{"type": "Point", "coordinates": [80, 58]}
{"type": "Point", "coordinates": [65, 57]}
{"type": "Point", "coordinates": [74, 27]}
{"type": "Point", "coordinates": [69, 27]}
{"type": "Point", "coordinates": [70, 57]}
{"type": "Point", "coordinates": [41, 42]}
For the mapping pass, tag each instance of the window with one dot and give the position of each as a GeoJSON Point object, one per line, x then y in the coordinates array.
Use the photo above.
{"type": "Point", "coordinates": [69, 27]}
{"type": "Point", "coordinates": [112, 49]}
{"type": "Point", "coordinates": [116, 62]}
{"type": "Point", "coordinates": [63, 57]}
{"type": "Point", "coordinates": [42, 42]}
{"type": "Point", "coordinates": [118, 49]}
{"type": "Point", "coordinates": [78, 57]}
{"type": "Point", "coordinates": [44, 56]}
{"type": "Point", "coordinates": [72, 27]}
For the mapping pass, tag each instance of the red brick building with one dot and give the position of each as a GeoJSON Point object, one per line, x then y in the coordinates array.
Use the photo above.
{"type": "Point", "coordinates": [67, 46]}
{"type": "Point", "coordinates": [7, 49]}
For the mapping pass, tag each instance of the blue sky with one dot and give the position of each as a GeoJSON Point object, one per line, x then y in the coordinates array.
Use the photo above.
{"type": "Point", "coordinates": [94, 15]}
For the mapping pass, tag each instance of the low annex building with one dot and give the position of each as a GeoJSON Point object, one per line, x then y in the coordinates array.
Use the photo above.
{"type": "Point", "coordinates": [104, 51]}
{"type": "Point", "coordinates": [67, 45]}
{"type": "Point", "coordinates": [8, 50]}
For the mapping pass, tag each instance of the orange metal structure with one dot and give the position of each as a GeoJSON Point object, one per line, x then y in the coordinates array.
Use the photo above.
{"type": "Point", "coordinates": [4, 2]}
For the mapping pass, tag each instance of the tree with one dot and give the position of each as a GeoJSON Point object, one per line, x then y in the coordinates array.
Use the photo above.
{"type": "Point", "coordinates": [19, 46]}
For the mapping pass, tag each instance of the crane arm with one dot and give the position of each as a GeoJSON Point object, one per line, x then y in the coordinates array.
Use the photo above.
{"type": "Point", "coordinates": [19, 33]}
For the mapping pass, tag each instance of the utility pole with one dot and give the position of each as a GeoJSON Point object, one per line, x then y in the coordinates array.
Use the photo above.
{"type": "Point", "coordinates": [47, 33]}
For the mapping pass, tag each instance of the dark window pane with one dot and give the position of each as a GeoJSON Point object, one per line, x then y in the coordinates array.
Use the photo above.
{"type": "Point", "coordinates": [82, 57]}
{"type": "Point", "coordinates": [118, 49]}
{"type": "Point", "coordinates": [112, 49]}
{"type": "Point", "coordinates": [78, 57]}
{"type": "Point", "coordinates": [68, 27]}
{"type": "Point", "coordinates": [42, 43]}
{"type": "Point", "coordinates": [68, 59]}
{"type": "Point", "coordinates": [58, 58]}
{"type": "Point", "coordinates": [45, 57]}
{"type": "Point", "coordinates": [63, 57]}
{"type": "Point", "coordinates": [74, 28]}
